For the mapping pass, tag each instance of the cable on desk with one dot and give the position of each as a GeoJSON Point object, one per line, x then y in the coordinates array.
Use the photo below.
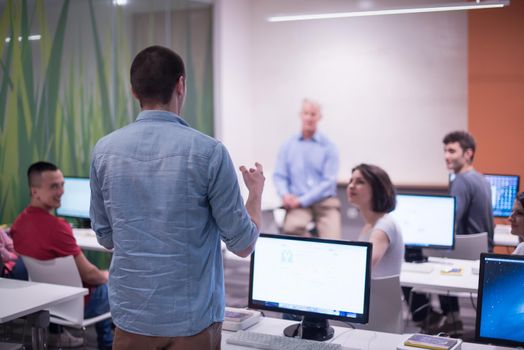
{"type": "Point", "coordinates": [472, 301]}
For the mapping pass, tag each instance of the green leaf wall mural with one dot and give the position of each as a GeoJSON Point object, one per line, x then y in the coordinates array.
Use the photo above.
{"type": "Point", "coordinates": [64, 81]}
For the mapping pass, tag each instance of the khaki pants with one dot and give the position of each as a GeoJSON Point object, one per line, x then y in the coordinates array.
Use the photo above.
{"type": "Point", "coordinates": [325, 214]}
{"type": "Point", "coordinates": [208, 339]}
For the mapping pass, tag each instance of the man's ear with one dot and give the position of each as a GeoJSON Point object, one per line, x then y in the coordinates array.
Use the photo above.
{"type": "Point", "coordinates": [468, 154]}
{"type": "Point", "coordinates": [181, 86]}
{"type": "Point", "coordinates": [134, 93]}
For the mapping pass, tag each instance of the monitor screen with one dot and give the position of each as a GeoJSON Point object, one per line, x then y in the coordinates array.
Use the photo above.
{"type": "Point", "coordinates": [426, 221]}
{"type": "Point", "coordinates": [319, 279]}
{"type": "Point", "coordinates": [76, 199]}
{"type": "Point", "coordinates": [504, 190]}
{"type": "Point", "coordinates": [500, 316]}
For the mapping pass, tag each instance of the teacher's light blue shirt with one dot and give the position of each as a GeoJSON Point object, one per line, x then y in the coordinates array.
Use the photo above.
{"type": "Point", "coordinates": [163, 195]}
{"type": "Point", "coordinates": [307, 168]}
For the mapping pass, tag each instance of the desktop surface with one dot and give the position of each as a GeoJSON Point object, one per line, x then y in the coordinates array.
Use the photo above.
{"type": "Point", "coordinates": [441, 274]}
{"type": "Point", "coordinates": [27, 297]}
{"type": "Point", "coordinates": [349, 338]}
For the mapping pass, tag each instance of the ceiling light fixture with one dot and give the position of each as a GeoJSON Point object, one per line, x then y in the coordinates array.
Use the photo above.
{"type": "Point", "coordinates": [30, 37]}
{"type": "Point", "coordinates": [120, 2]}
{"type": "Point", "coordinates": [459, 6]}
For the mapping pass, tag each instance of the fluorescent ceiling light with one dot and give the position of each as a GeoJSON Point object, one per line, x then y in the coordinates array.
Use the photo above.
{"type": "Point", "coordinates": [119, 2]}
{"type": "Point", "coordinates": [459, 6]}
{"type": "Point", "coordinates": [30, 37]}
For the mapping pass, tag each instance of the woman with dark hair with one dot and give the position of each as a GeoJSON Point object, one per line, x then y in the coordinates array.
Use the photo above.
{"type": "Point", "coordinates": [371, 191]}
{"type": "Point", "coordinates": [517, 222]}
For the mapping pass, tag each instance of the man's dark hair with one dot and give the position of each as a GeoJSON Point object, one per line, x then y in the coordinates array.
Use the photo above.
{"type": "Point", "coordinates": [154, 73]}
{"type": "Point", "coordinates": [36, 169]}
{"type": "Point", "coordinates": [520, 199]}
{"type": "Point", "coordinates": [464, 138]}
{"type": "Point", "coordinates": [382, 189]}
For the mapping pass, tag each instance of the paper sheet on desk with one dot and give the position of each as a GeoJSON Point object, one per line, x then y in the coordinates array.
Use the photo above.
{"type": "Point", "coordinates": [451, 271]}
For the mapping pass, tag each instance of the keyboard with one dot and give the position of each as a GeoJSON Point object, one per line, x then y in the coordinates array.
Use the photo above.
{"type": "Point", "coordinates": [277, 342]}
{"type": "Point", "coordinates": [420, 268]}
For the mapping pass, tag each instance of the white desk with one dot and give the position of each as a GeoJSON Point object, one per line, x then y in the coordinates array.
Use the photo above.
{"type": "Point", "coordinates": [435, 280]}
{"type": "Point", "coordinates": [86, 239]}
{"type": "Point", "coordinates": [505, 239]}
{"type": "Point", "coordinates": [21, 298]}
{"type": "Point", "coordinates": [349, 338]}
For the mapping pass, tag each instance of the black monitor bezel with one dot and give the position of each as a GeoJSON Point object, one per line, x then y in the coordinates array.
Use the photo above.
{"type": "Point", "coordinates": [361, 318]}
{"type": "Point", "coordinates": [72, 216]}
{"type": "Point", "coordinates": [506, 175]}
{"type": "Point", "coordinates": [435, 246]}
{"type": "Point", "coordinates": [480, 294]}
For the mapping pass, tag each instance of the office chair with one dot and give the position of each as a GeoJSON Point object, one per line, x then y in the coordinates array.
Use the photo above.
{"type": "Point", "coordinates": [63, 271]}
{"type": "Point", "coordinates": [467, 247]}
{"type": "Point", "coordinates": [385, 306]}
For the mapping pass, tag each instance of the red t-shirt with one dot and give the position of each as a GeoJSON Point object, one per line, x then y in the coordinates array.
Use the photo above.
{"type": "Point", "coordinates": [38, 234]}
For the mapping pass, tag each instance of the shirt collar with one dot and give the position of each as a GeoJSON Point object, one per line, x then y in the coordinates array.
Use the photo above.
{"type": "Point", "coordinates": [316, 136]}
{"type": "Point", "coordinates": [160, 115]}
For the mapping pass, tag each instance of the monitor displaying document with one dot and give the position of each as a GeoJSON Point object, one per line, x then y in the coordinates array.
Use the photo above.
{"type": "Point", "coordinates": [319, 279]}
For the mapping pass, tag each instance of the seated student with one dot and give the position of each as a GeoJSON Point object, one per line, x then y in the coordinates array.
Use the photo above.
{"type": "Point", "coordinates": [39, 234]}
{"type": "Point", "coordinates": [517, 222]}
{"type": "Point", "coordinates": [7, 254]}
{"type": "Point", "coordinates": [371, 191]}
{"type": "Point", "coordinates": [11, 264]}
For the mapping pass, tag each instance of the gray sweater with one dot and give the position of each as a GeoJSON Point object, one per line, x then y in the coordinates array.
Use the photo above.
{"type": "Point", "coordinates": [474, 213]}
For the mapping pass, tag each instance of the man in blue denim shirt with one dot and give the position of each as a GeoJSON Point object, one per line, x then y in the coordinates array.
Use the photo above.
{"type": "Point", "coordinates": [163, 195]}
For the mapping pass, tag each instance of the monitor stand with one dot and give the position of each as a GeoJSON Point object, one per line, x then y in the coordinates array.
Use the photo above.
{"type": "Point", "coordinates": [414, 255]}
{"type": "Point", "coordinates": [310, 328]}
{"type": "Point", "coordinates": [83, 223]}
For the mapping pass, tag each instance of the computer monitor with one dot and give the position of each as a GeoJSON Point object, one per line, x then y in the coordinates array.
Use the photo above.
{"type": "Point", "coordinates": [316, 278]}
{"type": "Point", "coordinates": [504, 190]}
{"type": "Point", "coordinates": [76, 198]}
{"type": "Point", "coordinates": [500, 305]}
{"type": "Point", "coordinates": [426, 221]}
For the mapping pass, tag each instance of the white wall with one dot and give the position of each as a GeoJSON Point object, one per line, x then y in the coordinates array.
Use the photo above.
{"type": "Point", "coordinates": [390, 86]}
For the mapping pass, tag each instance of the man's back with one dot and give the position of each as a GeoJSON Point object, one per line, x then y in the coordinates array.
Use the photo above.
{"type": "Point", "coordinates": [167, 196]}
{"type": "Point", "coordinates": [474, 210]}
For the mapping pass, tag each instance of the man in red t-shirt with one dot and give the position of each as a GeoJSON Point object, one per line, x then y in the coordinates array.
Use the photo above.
{"type": "Point", "coordinates": [39, 234]}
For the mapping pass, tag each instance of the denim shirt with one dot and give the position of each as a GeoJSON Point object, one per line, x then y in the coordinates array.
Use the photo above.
{"type": "Point", "coordinates": [163, 195]}
{"type": "Point", "coordinates": [307, 169]}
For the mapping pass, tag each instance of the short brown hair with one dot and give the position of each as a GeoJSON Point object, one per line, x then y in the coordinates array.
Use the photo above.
{"type": "Point", "coordinates": [382, 190]}
{"type": "Point", "coordinates": [36, 169]}
{"type": "Point", "coordinates": [464, 138]}
{"type": "Point", "coordinates": [154, 73]}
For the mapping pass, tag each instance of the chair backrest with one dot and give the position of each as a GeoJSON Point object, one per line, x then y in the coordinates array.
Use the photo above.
{"type": "Point", "coordinates": [467, 247]}
{"type": "Point", "coordinates": [61, 271]}
{"type": "Point", "coordinates": [385, 305]}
